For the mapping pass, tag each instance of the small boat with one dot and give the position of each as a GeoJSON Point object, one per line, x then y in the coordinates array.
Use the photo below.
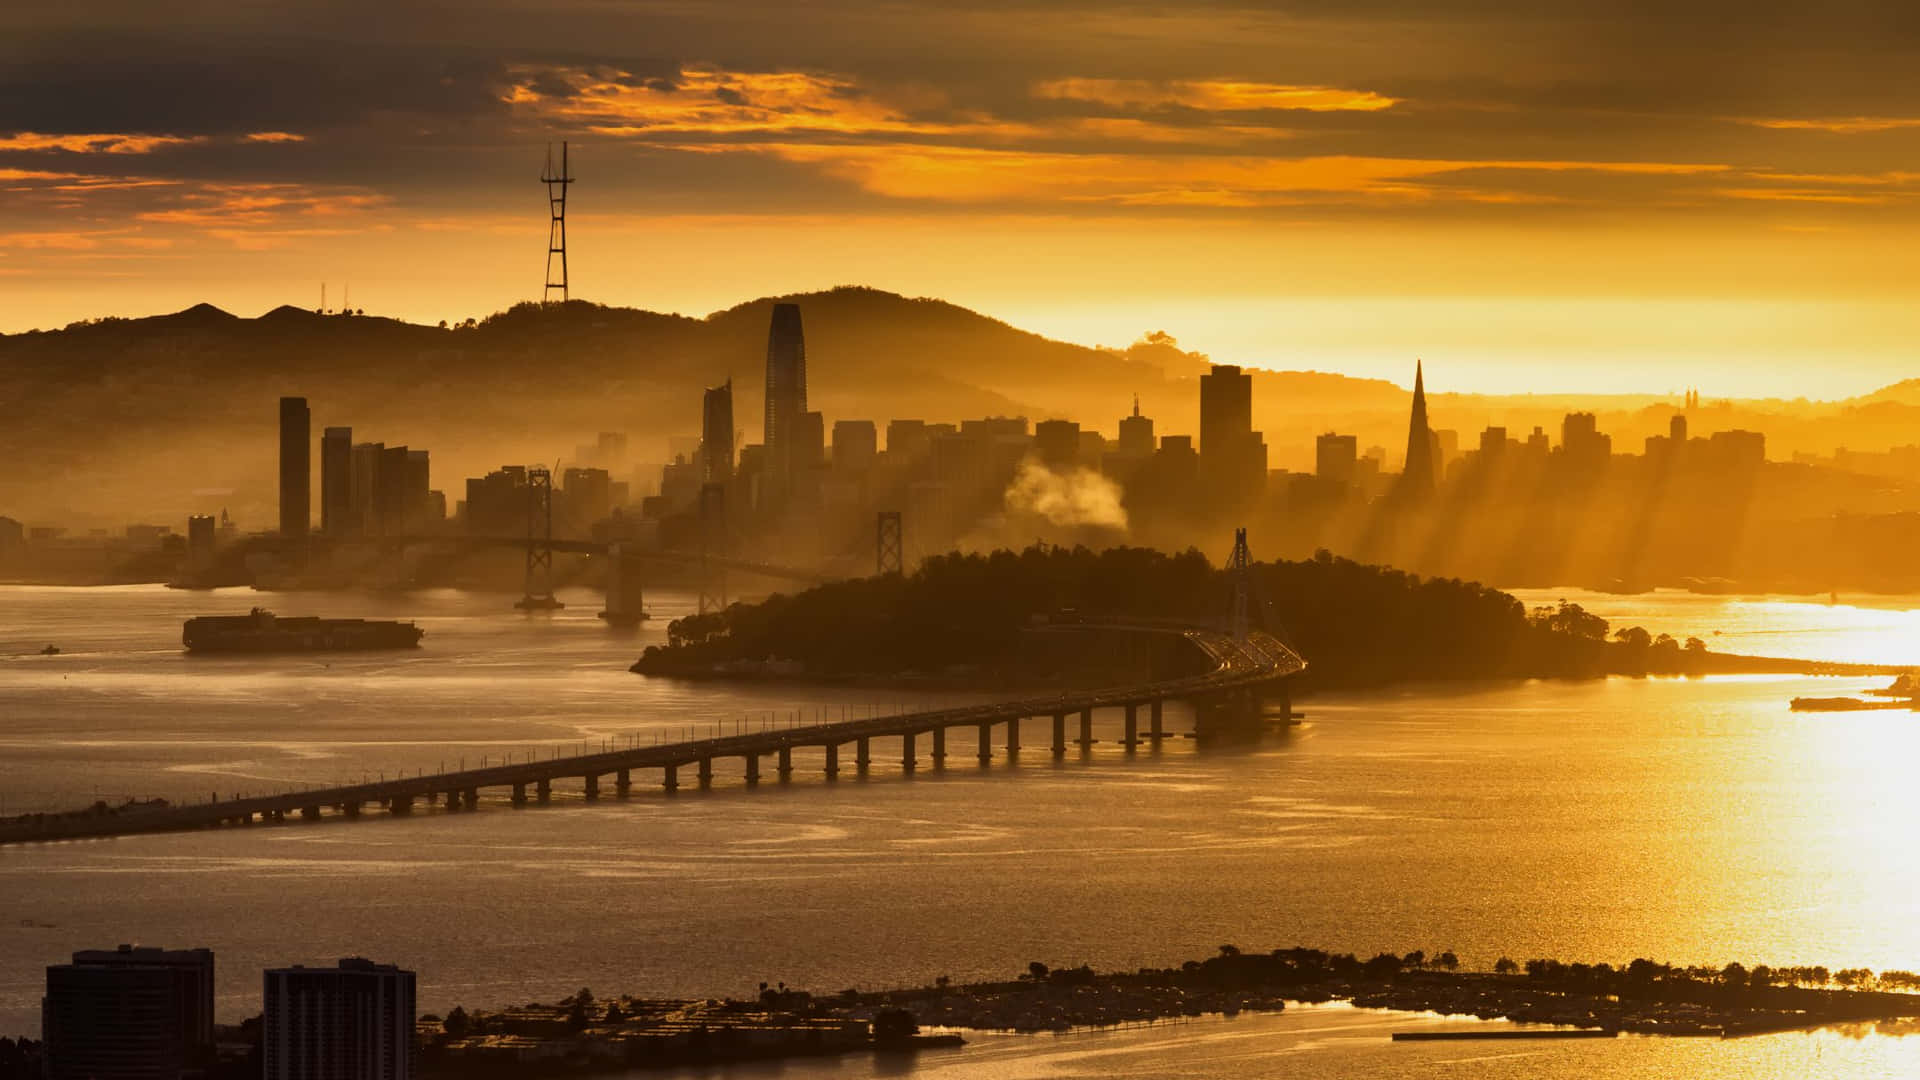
{"type": "Point", "coordinates": [51, 650]}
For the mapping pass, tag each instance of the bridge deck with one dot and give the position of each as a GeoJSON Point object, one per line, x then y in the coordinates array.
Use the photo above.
{"type": "Point", "coordinates": [1235, 665]}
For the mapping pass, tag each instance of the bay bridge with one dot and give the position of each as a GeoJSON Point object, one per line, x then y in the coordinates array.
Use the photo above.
{"type": "Point", "coordinates": [1235, 677]}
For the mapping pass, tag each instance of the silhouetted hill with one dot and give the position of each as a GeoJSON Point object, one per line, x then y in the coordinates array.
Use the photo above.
{"type": "Point", "coordinates": [192, 393]}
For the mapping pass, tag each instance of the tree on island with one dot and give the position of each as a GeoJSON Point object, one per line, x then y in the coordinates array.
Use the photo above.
{"type": "Point", "coordinates": [894, 1026]}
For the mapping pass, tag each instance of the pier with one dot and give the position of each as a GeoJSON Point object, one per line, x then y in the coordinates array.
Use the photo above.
{"type": "Point", "coordinates": [1241, 681]}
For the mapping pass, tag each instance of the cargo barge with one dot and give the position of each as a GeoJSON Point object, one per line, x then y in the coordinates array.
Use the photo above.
{"type": "Point", "coordinates": [261, 630]}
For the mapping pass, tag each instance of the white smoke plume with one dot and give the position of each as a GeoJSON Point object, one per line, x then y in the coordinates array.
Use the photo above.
{"type": "Point", "coordinates": [1079, 497]}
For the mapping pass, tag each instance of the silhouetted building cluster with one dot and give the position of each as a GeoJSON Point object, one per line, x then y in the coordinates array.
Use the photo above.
{"type": "Point", "coordinates": [366, 489]}
{"type": "Point", "coordinates": [136, 1013]}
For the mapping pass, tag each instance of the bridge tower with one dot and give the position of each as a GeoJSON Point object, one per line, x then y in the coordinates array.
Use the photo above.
{"type": "Point", "coordinates": [1240, 568]}
{"type": "Point", "coordinates": [624, 586]}
{"type": "Point", "coordinates": [713, 544]}
{"type": "Point", "coordinates": [539, 580]}
{"type": "Point", "coordinates": [887, 549]}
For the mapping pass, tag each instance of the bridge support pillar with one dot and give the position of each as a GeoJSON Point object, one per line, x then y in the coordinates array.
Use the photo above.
{"type": "Point", "coordinates": [1132, 738]}
{"type": "Point", "coordinates": [986, 743]}
{"type": "Point", "coordinates": [907, 763]}
{"type": "Point", "coordinates": [450, 797]}
{"type": "Point", "coordinates": [310, 813]}
{"type": "Point", "coordinates": [670, 777]}
{"type": "Point", "coordinates": [706, 772]}
{"type": "Point", "coordinates": [1286, 702]}
{"type": "Point", "coordinates": [351, 808]}
{"type": "Point", "coordinates": [592, 787]}
{"type": "Point", "coordinates": [472, 799]}
{"type": "Point", "coordinates": [1059, 734]}
{"type": "Point", "coordinates": [1013, 735]}
{"type": "Point", "coordinates": [543, 791]}
{"type": "Point", "coordinates": [520, 794]}
{"type": "Point", "coordinates": [939, 746]}
{"type": "Point", "coordinates": [833, 761]}
{"type": "Point", "coordinates": [398, 805]}
{"type": "Point", "coordinates": [862, 754]}
{"type": "Point", "coordinates": [785, 765]}
{"type": "Point", "coordinates": [623, 783]}
{"type": "Point", "coordinates": [753, 768]}
{"type": "Point", "coordinates": [1156, 729]}
{"type": "Point", "coordinates": [1086, 728]}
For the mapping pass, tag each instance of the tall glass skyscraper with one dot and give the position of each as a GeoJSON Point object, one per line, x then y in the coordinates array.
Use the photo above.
{"type": "Point", "coordinates": [786, 398]}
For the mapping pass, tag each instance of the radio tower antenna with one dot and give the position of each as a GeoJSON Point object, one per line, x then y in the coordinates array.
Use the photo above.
{"type": "Point", "coordinates": [557, 234]}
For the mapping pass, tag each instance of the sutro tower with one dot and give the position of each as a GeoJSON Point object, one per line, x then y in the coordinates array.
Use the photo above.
{"type": "Point", "coordinates": [557, 235]}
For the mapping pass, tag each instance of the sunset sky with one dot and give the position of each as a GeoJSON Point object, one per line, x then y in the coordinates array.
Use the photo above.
{"type": "Point", "coordinates": [1533, 194]}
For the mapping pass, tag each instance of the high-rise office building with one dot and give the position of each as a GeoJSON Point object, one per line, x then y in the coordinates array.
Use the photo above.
{"type": "Point", "coordinates": [129, 1013]}
{"type": "Point", "coordinates": [855, 445]}
{"type": "Point", "coordinates": [716, 434]}
{"type": "Point", "coordinates": [786, 397]}
{"type": "Point", "coordinates": [1057, 443]}
{"type": "Point", "coordinates": [908, 440]}
{"type": "Point", "coordinates": [418, 496]}
{"type": "Point", "coordinates": [336, 481]}
{"type": "Point", "coordinates": [364, 464]}
{"type": "Point", "coordinates": [1417, 480]}
{"type": "Point", "coordinates": [351, 1022]}
{"type": "Point", "coordinates": [296, 467]}
{"type": "Point", "coordinates": [1336, 457]}
{"type": "Point", "coordinates": [1233, 458]}
{"type": "Point", "coordinates": [809, 443]}
{"type": "Point", "coordinates": [1136, 433]}
{"type": "Point", "coordinates": [1226, 413]}
{"type": "Point", "coordinates": [200, 533]}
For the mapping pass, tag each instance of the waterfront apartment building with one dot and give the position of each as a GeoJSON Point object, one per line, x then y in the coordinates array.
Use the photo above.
{"type": "Point", "coordinates": [296, 467]}
{"type": "Point", "coordinates": [716, 434]}
{"type": "Point", "coordinates": [351, 1022]}
{"type": "Point", "coordinates": [129, 1014]}
{"type": "Point", "coordinates": [336, 481]}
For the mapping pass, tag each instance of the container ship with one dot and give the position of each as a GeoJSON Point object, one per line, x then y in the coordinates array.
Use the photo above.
{"type": "Point", "coordinates": [261, 630]}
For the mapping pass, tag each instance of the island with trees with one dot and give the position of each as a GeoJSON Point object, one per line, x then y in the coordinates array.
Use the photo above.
{"type": "Point", "coordinates": [969, 619]}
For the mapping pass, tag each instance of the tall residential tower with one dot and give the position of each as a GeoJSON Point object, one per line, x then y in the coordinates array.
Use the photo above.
{"type": "Point", "coordinates": [296, 467]}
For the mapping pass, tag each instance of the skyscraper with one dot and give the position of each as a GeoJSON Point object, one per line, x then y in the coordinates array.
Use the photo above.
{"type": "Point", "coordinates": [856, 443]}
{"type": "Point", "coordinates": [1233, 457]}
{"type": "Point", "coordinates": [1336, 457]}
{"type": "Point", "coordinates": [128, 1012]}
{"type": "Point", "coordinates": [716, 434]}
{"type": "Point", "coordinates": [352, 1022]}
{"type": "Point", "coordinates": [336, 481]}
{"type": "Point", "coordinates": [1136, 433]}
{"type": "Point", "coordinates": [296, 467]}
{"type": "Point", "coordinates": [1417, 481]}
{"type": "Point", "coordinates": [786, 397]}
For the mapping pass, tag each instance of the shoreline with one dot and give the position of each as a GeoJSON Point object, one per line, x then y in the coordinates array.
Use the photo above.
{"type": "Point", "coordinates": [580, 1036]}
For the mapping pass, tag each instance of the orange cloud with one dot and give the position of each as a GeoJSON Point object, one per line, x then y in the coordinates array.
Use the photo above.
{"type": "Point", "coordinates": [94, 144]}
{"type": "Point", "coordinates": [1213, 95]}
{"type": "Point", "coordinates": [967, 174]}
{"type": "Point", "coordinates": [274, 137]}
{"type": "Point", "coordinates": [712, 101]}
{"type": "Point", "coordinates": [1849, 125]}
